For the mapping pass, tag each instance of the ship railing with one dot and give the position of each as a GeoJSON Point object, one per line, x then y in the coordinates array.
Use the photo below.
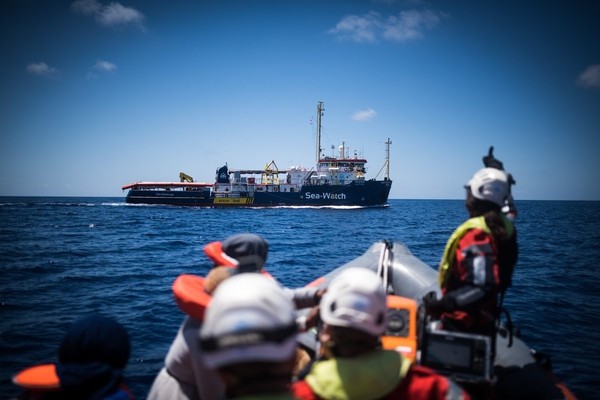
{"type": "Point", "coordinates": [227, 195]}
{"type": "Point", "coordinates": [235, 195]}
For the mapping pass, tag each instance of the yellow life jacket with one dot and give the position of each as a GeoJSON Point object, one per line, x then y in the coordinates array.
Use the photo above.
{"type": "Point", "coordinates": [369, 376]}
{"type": "Point", "coordinates": [473, 223]}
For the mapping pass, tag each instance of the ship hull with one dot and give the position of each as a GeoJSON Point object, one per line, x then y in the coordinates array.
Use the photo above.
{"type": "Point", "coordinates": [363, 194]}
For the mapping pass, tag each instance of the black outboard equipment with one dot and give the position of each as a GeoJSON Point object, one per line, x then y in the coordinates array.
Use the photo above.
{"type": "Point", "coordinates": [223, 174]}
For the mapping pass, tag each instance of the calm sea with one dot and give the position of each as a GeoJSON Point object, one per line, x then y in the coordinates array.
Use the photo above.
{"type": "Point", "coordinates": [62, 258]}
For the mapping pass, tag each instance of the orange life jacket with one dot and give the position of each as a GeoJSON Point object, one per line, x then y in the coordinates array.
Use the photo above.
{"type": "Point", "coordinates": [190, 296]}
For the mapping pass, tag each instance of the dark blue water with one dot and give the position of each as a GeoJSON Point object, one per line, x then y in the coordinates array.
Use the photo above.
{"type": "Point", "coordinates": [62, 258]}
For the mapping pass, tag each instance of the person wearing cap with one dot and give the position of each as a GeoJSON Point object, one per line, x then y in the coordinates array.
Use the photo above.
{"type": "Point", "coordinates": [479, 258]}
{"type": "Point", "coordinates": [91, 360]}
{"type": "Point", "coordinates": [247, 252]}
{"type": "Point", "coordinates": [185, 375]}
{"type": "Point", "coordinates": [354, 365]}
{"type": "Point", "coordinates": [249, 337]}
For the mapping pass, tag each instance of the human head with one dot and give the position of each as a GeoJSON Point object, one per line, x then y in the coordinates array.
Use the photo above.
{"type": "Point", "coordinates": [91, 359]}
{"type": "Point", "coordinates": [246, 251]}
{"type": "Point", "coordinates": [490, 184]}
{"type": "Point", "coordinates": [250, 319]}
{"type": "Point", "coordinates": [355, 299]}
{"type": "Point", "coordinates": [95, 338]}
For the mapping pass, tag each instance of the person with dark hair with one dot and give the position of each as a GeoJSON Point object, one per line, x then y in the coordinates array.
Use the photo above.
{"type": "Point", "coordinates": [91, 359]}
{"type": "Point", "coordinates": [353, 364]}
{"type": "Point", "coordinates": [479, 259]}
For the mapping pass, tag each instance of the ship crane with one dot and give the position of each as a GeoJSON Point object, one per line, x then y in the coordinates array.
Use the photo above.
{"type": "Point", "coordinates": [183, 177]}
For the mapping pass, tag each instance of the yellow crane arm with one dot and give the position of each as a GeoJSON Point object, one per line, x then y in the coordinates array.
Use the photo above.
{"type": "Point", "coordinates": [185, 177]}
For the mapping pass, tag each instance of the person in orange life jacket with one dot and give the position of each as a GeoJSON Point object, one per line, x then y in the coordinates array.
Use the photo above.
{"type": "Point", "coordinates": [479, 259]}
{"type": "Point", "coordinates": [185, 375]}
{"type": "Point", "coordinates": [91, 359]}
{"type": "Point", "coordinates": [249, 337]}
{"type": "Point", "coordinates": [240, 248]}
{"type": "Point", "coordinates": [354, 365]}
{"type": "Point", "coordinates": [247, 252]}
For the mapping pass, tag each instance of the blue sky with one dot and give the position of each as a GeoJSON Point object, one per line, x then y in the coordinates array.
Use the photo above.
{"type": "Point", "coordinates": [96, 94]}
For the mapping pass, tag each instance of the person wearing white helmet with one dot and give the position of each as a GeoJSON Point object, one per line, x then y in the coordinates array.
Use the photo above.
{"type": "Point", "coordinates": [509, 208]}
{"type": "Point", "coordinates": [479, 259]}
{"type": "Point", "coordinates": [354, 365]}
{"type": "Point", "coordinates": [249, 337]}
{"type": "Point", "coordinates": [489, 184]}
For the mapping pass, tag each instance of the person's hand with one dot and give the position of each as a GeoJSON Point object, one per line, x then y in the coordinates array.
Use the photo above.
{"type": "Point", "coordinates": [435, 307]}
{"type": "Point", "coordinates": [430, 302]}
{"type": "Point", "coordinates": [312, 318]}
{"type": "Point", "coordinates": [319, 294]}
{"type": "Point", "coordinates": [492, 162]}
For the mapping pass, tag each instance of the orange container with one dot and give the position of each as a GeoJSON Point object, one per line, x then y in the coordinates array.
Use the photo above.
{"type": "Point", "coordinates": [401, 332]}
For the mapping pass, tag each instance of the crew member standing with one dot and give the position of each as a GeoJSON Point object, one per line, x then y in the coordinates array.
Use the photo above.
{"type": "Point", "coordinates": [478, 261]}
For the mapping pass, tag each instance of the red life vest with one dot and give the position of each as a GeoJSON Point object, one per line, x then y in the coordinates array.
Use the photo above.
{"type": "Point", "coordinates": [302, 391]}
{"type": "Point", "coordinates": [476, 262]}
{"type": "Point", "coordinates": [472, 258]}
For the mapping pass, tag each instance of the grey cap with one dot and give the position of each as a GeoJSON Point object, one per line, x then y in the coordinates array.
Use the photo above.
{"type": "Point", "coordinates": [248, 249]}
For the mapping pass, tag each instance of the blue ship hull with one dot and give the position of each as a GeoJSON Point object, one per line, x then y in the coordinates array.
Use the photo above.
{"type": "Point", "coordinates": [363, 194]}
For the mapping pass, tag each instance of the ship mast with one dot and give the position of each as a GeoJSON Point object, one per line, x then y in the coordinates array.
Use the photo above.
{"type": "Point", "coordinates": [320, 109]}
{"type": "Point", "coordinates": [387, 158]}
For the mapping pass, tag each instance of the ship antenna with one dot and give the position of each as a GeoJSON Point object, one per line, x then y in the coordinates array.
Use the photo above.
{"type": "Point", "coordinates": [320, 109]}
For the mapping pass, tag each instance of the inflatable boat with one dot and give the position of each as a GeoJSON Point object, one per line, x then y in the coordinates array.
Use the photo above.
{"type": "Point", "coordinates": [504, 364]}
{"type": "Point", "coordinates": [511, 368]}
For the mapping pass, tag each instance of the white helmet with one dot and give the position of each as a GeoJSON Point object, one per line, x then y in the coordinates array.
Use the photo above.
{"type": "Point", "coordinates": [356, 299]}
{"type": "Point", "coordinates": [249, 319]}
{"type": "Point", "coordinates": [490, 184]}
